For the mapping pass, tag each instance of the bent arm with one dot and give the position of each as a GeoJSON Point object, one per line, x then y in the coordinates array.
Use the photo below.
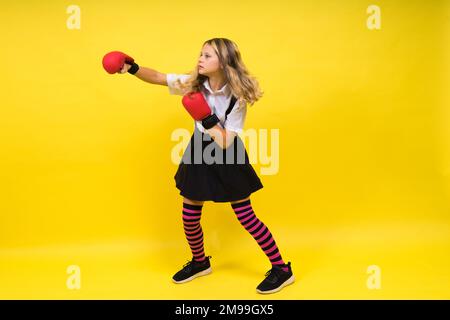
{"type": "Point", "coordinates": [223, 137]}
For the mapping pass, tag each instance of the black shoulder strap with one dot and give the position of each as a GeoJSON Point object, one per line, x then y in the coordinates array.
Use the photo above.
{"type": "Point", "coordinates": [230, 107]}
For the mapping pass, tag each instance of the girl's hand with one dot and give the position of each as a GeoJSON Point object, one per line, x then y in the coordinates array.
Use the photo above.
{"type": "Point", "coordinates": [125, 68]}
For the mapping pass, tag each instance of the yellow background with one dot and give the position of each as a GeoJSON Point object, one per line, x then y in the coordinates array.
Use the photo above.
{"type": "Point", "coordinates": [364, 123]}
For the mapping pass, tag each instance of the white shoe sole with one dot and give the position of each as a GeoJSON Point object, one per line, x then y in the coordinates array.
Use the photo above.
{"type": "Point", "coordinates": [199, 274]}
{"type": "Point", "coordinates": [286, 283]}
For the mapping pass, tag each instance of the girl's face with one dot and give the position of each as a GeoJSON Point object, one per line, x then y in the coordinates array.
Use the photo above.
{"type": "Point", "coordinates": [208, 62]}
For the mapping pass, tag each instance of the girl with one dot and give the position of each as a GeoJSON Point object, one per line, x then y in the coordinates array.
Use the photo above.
{"type": "Point", "coordinates": [225, 83]}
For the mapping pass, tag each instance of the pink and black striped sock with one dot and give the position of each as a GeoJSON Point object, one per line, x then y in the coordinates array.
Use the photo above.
{"type": "Point", "coordinates": [259, 232]}
{"type": "Point", "coordinates": [193, 230]}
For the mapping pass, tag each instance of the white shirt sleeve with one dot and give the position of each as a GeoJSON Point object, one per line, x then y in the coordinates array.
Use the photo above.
{"type": "Point", "coordinates": [236, 118]}
{"type": "Point", "coordinates": [173, 88]}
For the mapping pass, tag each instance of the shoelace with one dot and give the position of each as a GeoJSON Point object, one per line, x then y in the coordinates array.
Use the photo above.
{"type": "Point", "coordinates": [188, 265]}
{"type": "Point", "coordinates": [268, 273]}
{"type": "Point", "coordinates": [274, 272]}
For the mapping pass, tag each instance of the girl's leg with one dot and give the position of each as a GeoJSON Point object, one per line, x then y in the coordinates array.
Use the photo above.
{"type": "Point", "coordinates": [259, 231]}
{"type": "Point", "coordinates": [192, 211]}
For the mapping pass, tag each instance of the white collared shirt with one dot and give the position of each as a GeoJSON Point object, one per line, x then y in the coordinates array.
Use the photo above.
{"type": "Point", "coordinates": [218, 102]}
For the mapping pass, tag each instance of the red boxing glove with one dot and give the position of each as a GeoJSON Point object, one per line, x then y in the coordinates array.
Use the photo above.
{"type": "Point", "coordinates": [198, 108]}
{"type": "Point", "coordinates": [113, 61]}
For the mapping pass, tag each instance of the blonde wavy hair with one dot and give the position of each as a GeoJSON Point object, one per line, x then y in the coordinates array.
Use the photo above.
{"type": "Point", "coordinates": [242, 85]}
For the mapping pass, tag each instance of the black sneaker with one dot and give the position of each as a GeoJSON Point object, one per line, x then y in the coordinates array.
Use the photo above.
{"type": "Point", "coordinates": [276, 279]}
{"type": "Point", "coordinates": [192, 270]}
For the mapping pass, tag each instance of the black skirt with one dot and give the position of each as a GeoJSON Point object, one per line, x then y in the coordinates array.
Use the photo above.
{"type": "Point", "coordinates": [209, 173]}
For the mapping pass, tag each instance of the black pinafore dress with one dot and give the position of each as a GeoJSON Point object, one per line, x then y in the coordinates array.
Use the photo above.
{"type": "Point", "coordinates": [209, 173]}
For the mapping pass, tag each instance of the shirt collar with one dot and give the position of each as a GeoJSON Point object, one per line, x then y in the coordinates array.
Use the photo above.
{"type": "Point", "coordinates": [224, 90]}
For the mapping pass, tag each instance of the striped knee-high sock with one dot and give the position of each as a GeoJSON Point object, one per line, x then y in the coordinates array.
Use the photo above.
{"type": "Point", "coordinates": [259, 231]}
{"type": "Point", "coordinates": [193, 230]}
